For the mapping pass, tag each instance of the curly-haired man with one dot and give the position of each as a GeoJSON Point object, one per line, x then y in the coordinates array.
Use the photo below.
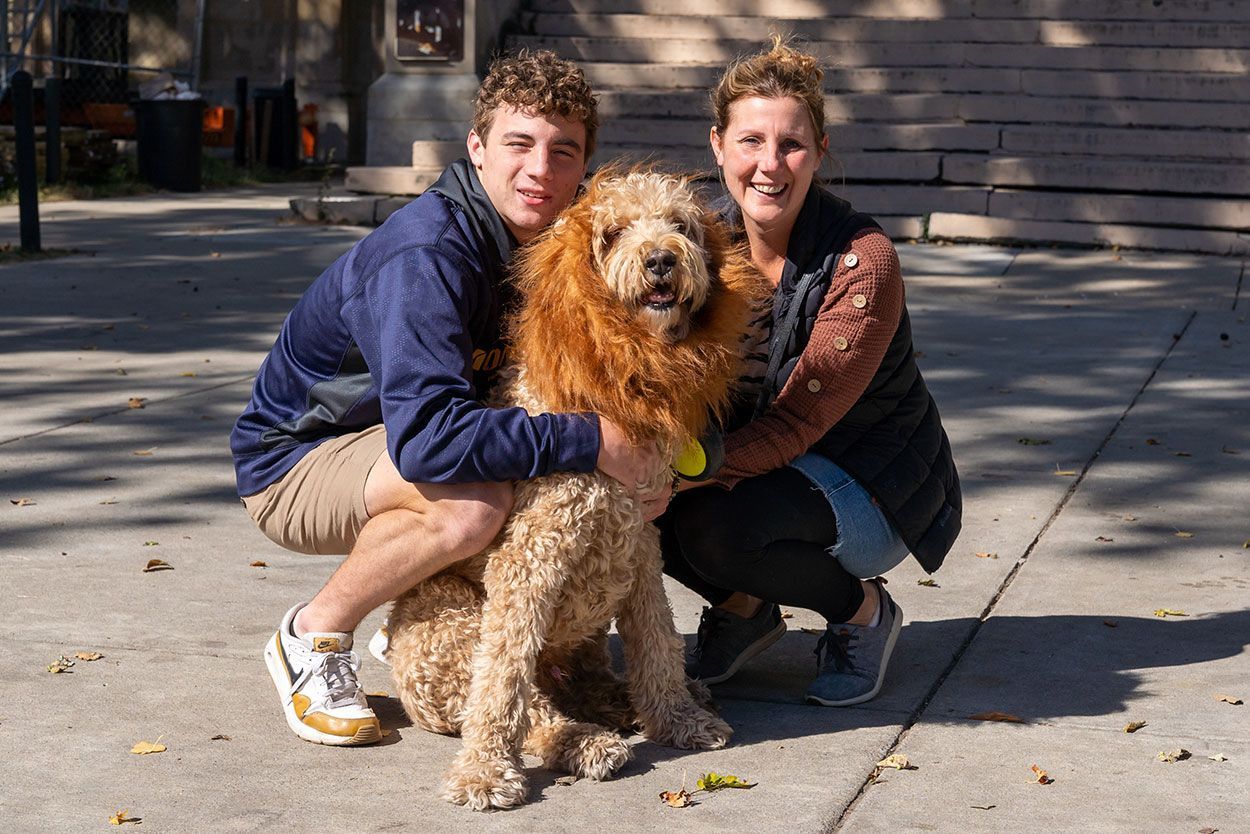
{"type": "Point", "coordinates": [366, 435]}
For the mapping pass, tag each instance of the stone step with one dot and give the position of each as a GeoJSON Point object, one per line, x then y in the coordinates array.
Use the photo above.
{"type": "Point", "coordinates": [434, 154]}
{"type": "Point", "coordinates": [1138, 142]}
{"type": "Point", "coordinates": [1101, 173]}
{"type": "Point", "coordinates": [847, 107]}
{"type": "Point", "coordinates": [879, 200]}
{"type": "Point", "coordinates": [971, 227]}
{"type": "Point", "coordinates": [607, 76]}
{"type": "Point", "coordinates": [1192, 10]}
{"type": "Point", "coordinates": [884, 166]}
{"type": "Point", "coordinates": [390, 179]}
{"type": "Point", "coordinates": [1169, 34]}
{"type": "Point", "coordinates": [1119, 208]}
{"type": "Point", "coordinates": [1189, 86]}
{"type": "Point", "coordinates": [845, 137]}
{"type": "Point", "coordinates": [889, 54]}
{"type": "Point", "coordinates": [1088, 111]}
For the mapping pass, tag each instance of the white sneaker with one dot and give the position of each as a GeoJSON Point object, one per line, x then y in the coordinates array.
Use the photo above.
{"type": "Point", "coordinates": [316, 679]}
{"type": "Point", "coordinates": [380, 644]}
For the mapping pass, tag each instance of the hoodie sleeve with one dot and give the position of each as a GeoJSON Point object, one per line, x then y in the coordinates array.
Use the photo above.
{"type": "Point", "coordinates": [411, 322]}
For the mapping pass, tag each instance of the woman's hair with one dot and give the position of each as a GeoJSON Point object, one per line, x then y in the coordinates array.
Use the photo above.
{"type": "Point", "coordinates": [537, 82]}
{"type": "Point", "coordinates": [781, 72]}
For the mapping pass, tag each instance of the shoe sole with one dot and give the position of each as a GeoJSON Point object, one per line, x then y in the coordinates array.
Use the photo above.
{"type": "Point", "coordinates": [277, 670]}
{"type": "Point", "coordinates": [747, 654]}
{"type": "Point", "coordinates": [885, 663]}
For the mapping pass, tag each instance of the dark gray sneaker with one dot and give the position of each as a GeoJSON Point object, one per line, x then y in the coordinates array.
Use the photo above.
{"type": "Point", "coordinates": [726, 641]}
{"type": "Point", "coordinates": [852, 659]}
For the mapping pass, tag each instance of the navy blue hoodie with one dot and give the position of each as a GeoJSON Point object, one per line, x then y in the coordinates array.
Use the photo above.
{"type": "Point", "coordinates": [405, 329]}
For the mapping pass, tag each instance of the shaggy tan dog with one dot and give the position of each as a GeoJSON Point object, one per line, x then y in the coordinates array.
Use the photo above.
{"type": "Point", "coordinates": [632, 307]}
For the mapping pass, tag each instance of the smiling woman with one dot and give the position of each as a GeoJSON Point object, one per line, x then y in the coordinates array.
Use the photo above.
{"type": "Point", "coordinates": [837, 465]}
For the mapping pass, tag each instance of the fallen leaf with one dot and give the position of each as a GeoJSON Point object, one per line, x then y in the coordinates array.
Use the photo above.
{"type": "Point", "coordinates": [713, 781]}
{"type": "Point", "coordinates": [1245, 545]}
{"type": "Point", "coordinates": [1207, 830]}
{"type": "Point", "coordinates": [1104, 539]}
{"type": "Point", "coordinates": [220, 737]}
{"type": "Point", "coordinates": [157, 564]}
{"type": "Point", "coordinates": [897, 761]}
{"type": "Point", "coordinates": [188, 373]}
{"type": "Point", "coordinates": [381, 693]}
{"type": "Point", "coordinates": [22, 502]}
{"type": "Point", "coordinates": [1180, 754]}
{"type": "Point", "coordinates": [810, 630]}
{"type": "Point", "coordinates": [1183, 534]}
{"type": "Point", "coordinates": [675, 799]}
{"type": "Point", "coordinates": [1183, 454]}
{"type": "Point", "coordinates": [571, 779]}
{"type": "Point", "coordinates": [150, 543]}
{"type": "Point", "coordinates": [88, 656]}
{"type": "Point", "coordinates": [122, 817]}
{"type": "Point", "coordinates": [928, 583]}
{"type": "Point", "coordinates": [1066, 473]}
{"type": "Point", "coordinates": [1129, 517]}
{"type": "Point", "coordinates": [143, 748]}
{"type": "Point", "coordinates": [1032, 441]}
{"type": "Point", "coordinates": [786, 615]}
{"type": "Point", "coordinates": [983, 807]}
{"type": "Point", "coordinates": [61, 664]}
{"type": "Point", "coordinates": [1218, 757]}
{"type": "Point", "coordinates": [120, 371]}
{"type": "Point", "coordinates": [1040, 776]}
{"type": "Point", "coordinates": [214, 254]}
{"type": "Point", "coordinates": [987, 555]}
{"type": "Point", "coordinates": [998, 716]}
{"type": "Point", "coordinates": [1150, 441]}
{"type": "Point", "coordinates": [1229, 699]}
{"type": "Point", "coordinates": [107, 502]}
{"type": "Point", "coordinates": [136, 402]}
{"type": "Point", "coordinates": [1169, 612]}
{"type": "Point", "coordinates": [143, 453]}
{"type": "Point", "coordinates": [1134, 726]}
{"type": "Point", "coordinates": [1229, 450]}
{"type": "Point", "coordinates": [386, 733]}
{"type": "Point", "coordinates": [258, 564]}
{"type": "Point", "coordinates": [1110, 623]}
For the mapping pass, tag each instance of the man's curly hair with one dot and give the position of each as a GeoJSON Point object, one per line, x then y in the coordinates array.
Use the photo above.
{"type": "Point", "coordinates": [538, 82]}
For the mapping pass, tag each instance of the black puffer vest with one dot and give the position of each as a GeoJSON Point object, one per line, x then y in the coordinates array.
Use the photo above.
{"type": "Point", "coordinates": [891, 440]}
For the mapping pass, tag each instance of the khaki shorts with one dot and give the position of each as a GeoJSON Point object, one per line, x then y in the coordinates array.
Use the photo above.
{"type": "Point", "coordinates": [319, 506]}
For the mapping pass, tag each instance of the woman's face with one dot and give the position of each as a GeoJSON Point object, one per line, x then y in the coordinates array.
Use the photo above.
{"type": "Point", "coordinates": [769, 153]}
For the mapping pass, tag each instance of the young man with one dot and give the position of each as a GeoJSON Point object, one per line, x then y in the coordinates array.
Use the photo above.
{"type": "Point", "coordinates": [365, 433]}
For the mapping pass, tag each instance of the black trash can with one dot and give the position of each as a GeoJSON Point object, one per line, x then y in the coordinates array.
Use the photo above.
{"type": "Point", "coordinates": [170, 141]}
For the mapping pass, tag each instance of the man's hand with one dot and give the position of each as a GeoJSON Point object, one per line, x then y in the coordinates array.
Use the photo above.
{"type": "Point", "coordinates": [618, 458]}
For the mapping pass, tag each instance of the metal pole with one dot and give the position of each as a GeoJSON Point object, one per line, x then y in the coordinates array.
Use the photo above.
{"type": "Point", "coordinates": [240, 121]}
{"type": "Point", "coordinates": [52, 129]}
{"type": "Point", "coordinates": [27, 186]}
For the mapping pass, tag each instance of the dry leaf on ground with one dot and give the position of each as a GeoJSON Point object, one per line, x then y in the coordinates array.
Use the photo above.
{"type": "Point", "coordinates": [1110, 623]}
{"type": "Point", "coordinates": [565, 781]}
{"type": "Point", "coordinates": [1066, 473]}
{"type": "Point", "coordinates": [1150, 441]}
{"type": "Point", "coordinates": [220, 737]}
{"type": "Point", "coordinates": [123, 817]}
{"type": "Point", "coordinates": [188, 373]}
{"type": "Point", "coordinates": [136, 402]}
{"type": "Point", "coordinates": [1207, 830]}
{"type": "Point", "coordinates": [1134, 726]}
{"type": "Point", "coordinates": [928, 583]}
{"type": "Point", "coordinates": [151, 543]}
{"type": "Point", "coordinates": [258, 564]}
{"type": "Point", "coordinates": [1104, 539]}
{"type": "Point", "coordinates": [1040, 776]}
{"type": "Point", "coordinates": [143, 748]}
{"type": "Point", "coordinates": [61, 664]}
{"type": "Point", "coordinates": [1180, 754]}
{"type": "Point", "coordinates": [1229, 699]}
{"type": "Point", "coordinates": [987, 555]}
{"type": "Point", "coordinates": [22, 502]}
{"type": "Point", "coordinates": [157, 564]}
{"type": "Point", "coordinates": [998, 716]}
{"type": "Point", "coordinates": [786, 615]}
{"type": "Point", "coordinates": [983, 807]}
{"type": "Point", "coordinates": [144, 453]}
{"type": "Point", "coordinates": [1183, 534]}
{"type": "Point", "coordinates": [381, 693]}
{"type": "Point", "coordinates": [88, 656]}
{"type": "Point", "coordinates": [675, 799]}
{"type": "Point", "coordinates": [1032, 441]}
{"type": "Point", "coordinates": [1218, 757]}
{"type": "Point", "coordinates": [713, 781]}
{"type": "Point", "coordinates": [897, 761]}
{"type": "Point", "coordinates": [1182, 454]}
{"type": "Point", "coordinates": [1169, 612]}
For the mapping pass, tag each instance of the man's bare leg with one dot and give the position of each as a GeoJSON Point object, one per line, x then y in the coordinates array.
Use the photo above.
{"type": "Point", "coordinates": [413, 532]}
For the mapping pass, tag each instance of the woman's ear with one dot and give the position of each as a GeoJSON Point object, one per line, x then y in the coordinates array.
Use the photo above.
{"type": "Point", "coordinates": [824, 144]}
{"type": "Point", "coordinates": [715, 141]}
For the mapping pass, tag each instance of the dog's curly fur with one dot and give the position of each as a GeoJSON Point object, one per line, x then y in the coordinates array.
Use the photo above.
{"type": "Point", "coordinates": [633, 304]}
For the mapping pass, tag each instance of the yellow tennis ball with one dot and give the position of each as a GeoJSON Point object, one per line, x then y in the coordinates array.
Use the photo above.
{"type": "Point", "coordinates": [692, 460]}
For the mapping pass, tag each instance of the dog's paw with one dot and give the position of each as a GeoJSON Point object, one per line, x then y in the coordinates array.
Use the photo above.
{"type": "Point", "coordinates": [483, 786]}
{"type": "Point", "coordinates": [689, 727]}
{"type": "Point", "coordinates": [596, 755]}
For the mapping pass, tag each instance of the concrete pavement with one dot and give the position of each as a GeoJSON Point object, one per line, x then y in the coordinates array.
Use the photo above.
{"type": "Point", "coordinates": [1127, 373]}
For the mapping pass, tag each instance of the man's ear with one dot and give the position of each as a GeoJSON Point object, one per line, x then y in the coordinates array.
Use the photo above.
{"type": "Point", "coordinates": [714, 140]}
{"type": "Point", "coordinates": [477, 149]}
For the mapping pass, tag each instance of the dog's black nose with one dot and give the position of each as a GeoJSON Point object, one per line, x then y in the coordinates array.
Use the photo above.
{"type": "Point", "coordinates": [660, 262]}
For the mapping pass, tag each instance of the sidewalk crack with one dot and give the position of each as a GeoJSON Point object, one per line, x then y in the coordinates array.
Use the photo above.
{"type": "Point", "coordinates": [915, 716]}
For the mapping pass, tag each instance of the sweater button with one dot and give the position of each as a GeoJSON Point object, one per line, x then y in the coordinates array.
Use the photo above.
{"type": "Point", "coordinates": [840, 343]}
{"type": "Point", "coordinates": [850, 259]}
{"type": "Point", "coordinates": [860, 301]}
{"type": "Point", "coordinates": [813, 385]}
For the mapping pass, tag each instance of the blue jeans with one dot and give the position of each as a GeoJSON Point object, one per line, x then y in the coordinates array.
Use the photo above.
{"type": "Point", "coordinates": [867, 544]}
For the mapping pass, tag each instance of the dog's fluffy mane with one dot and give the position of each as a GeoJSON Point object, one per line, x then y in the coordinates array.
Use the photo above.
{"type": "Point", "coordinates": [582, 349]}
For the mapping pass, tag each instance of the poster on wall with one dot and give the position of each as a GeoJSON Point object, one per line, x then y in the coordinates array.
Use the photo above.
{"type": "Point", "coordinates": [429, 30]}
